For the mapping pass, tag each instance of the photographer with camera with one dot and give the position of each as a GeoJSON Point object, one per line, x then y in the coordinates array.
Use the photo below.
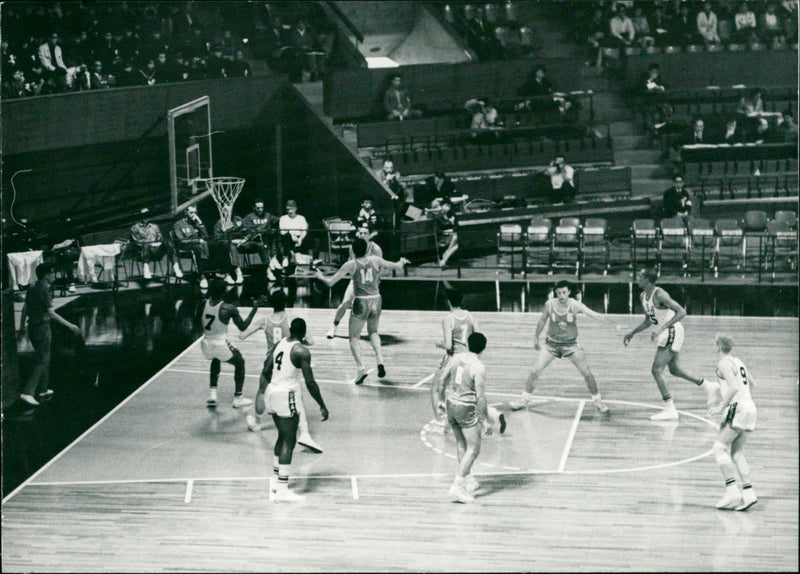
{"type": "Point", "coordinates": [558, 183]}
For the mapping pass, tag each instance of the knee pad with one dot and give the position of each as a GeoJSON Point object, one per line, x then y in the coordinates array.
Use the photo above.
{"type": "Point", "coordinates": [721, 452]}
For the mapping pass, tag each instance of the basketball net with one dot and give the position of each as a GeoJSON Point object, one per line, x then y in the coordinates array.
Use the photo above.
{"type": "Point", "coordinates": [225, 190]}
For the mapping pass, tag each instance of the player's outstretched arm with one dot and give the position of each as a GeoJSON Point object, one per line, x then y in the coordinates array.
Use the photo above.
{"type": "Point", "coordinates": [303, 356]}
{"type": "Point", "coordinates": [243, 324]}
{"type": "Point", "coordinates": [254, 326]}
{"type": "Point", "coordinates": [343, 270]}
{"type": "Point", "coordinates": [594, 314]}
{"type": "Point", "coordinates": [395, 265]}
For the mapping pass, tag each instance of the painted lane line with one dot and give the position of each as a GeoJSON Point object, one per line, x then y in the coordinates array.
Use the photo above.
{"type": "Point", "coordinates": [98, 423]}
{"type": "Point", "coordinates": [188, 496]}
{"type": "Point", "coordinates": [354, 484]}
{"type": "Point", "coordinates": [423, 381]}
{"type": "Point", "coordinates": [571, 436]}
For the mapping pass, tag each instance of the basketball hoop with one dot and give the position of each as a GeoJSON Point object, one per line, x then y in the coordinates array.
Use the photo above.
{"type": "Point", "coordinates": [225, 190]}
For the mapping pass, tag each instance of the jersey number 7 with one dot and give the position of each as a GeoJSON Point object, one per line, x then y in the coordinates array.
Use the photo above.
{"type": "Point", "coordinates": [210, 320]}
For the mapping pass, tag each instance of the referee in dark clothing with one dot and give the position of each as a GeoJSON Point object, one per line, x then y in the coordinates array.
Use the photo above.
{"type": "Point", "coordinates": [38, 309]}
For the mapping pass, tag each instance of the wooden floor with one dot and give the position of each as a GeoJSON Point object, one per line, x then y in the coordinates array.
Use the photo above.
{"type": "Point", "coordinates": [165, 484]}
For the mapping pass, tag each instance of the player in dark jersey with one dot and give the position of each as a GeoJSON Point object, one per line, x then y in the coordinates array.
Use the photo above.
{"type": "Point", "coordinates": [562, 342]}
{"type": "Point", "coordinates": [366, 272]}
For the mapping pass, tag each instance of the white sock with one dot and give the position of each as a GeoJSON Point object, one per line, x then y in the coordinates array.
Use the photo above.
{"type": "Point", "coordinates": [596, 397]}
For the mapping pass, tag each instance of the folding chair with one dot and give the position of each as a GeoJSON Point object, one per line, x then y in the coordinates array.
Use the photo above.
{"type": "Point", "coordinates": [730, 244]}
{"type": "Point", "coordinates": [787, 217]}
{"type": "Point", "coordinates": [539, 244]}
{"type": "Point", "coordinates": [702, 243]}
{"type": "Point", "coordinates": [645, 245]}
{"type": "Point", "coordinates": [567, 244]}
{"type": "Point", "coordinates": [340, 237]}
{"type": "Point", "coordinates": [183, 252]}
{"type": "Point", "coordinates": [511, 242]}
{"type": "Point", "coordinates": [755, 229]}
{"type": "Point", "coordinates": [594, 246]}
{"type": "Point", "coordinates": [134, 255]}
{"type": "Point", "coordinates": [782, 245]}
{"type": "Point", "coordinates": [674, 243]}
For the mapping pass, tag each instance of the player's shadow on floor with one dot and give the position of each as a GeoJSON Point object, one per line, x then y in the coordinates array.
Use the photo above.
{"type": "Point", "coordinates": [491, 484]}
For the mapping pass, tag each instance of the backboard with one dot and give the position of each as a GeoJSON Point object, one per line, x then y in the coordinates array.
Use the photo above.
{"type": "Point", "coordinates": [190, 152]}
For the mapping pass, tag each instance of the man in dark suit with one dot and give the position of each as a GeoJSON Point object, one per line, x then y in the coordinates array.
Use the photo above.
{"type": "Point", "coordinates": [437, 186]}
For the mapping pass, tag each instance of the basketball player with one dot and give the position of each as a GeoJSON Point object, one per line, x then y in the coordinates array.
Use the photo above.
{"type": "Point", "coordinates": [347, 301]}
{"type": "Point", "coordinates": [276, 327]}
{"type": "Point", "coordinates": [215, 344]}
{"type": "Point", "coordinates": [561, 316]}
{"type": "Point", "coordinates": [366, 272]}
{"type": "Point", "coordinates": [465, 405]}
{"type": "Point", "coordinates": [280, 380]}
{"type": "Point", "coordinates": [457, 326]}
{"type": "Point", "coordinates": [665, 314]}
{"type": "Point", "coordinates": [735, 382]}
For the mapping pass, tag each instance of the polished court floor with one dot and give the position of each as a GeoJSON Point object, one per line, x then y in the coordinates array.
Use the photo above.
{"type": "Point", "coordinates": [163, 483]}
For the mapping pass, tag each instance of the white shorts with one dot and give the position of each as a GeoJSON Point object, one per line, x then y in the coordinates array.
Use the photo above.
{"type": "Point", "coordinates": [671, 338]}
{"type": "Point", "coordinates": [217, 349]}
{"type": "Point", "coordinates": [741, 416]}
{"type": "Point", "coordinates": [283, 402]}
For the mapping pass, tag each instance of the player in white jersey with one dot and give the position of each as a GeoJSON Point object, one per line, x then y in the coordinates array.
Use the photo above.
{"type": "Point", "coordinates": [560, 314]}
{"type": "Point", "coordinates": [366, 272]}
{"type": "Point", "coordinates": [457, 326]}
{"type": "Point", "coordinates": [347, 301]}
{"type": "Point", "coordinates": [736, 383]}
{"type": "Point", "coordinates": [276, 327]}
{"type": "Point", "coordinates": [215, 345]}
{"type": "Point", "coordinates": [278, 394]}
{"type": "Point", "coordinates": [464, 380]}
{"type": "Point", "coordinates": [662, 312]}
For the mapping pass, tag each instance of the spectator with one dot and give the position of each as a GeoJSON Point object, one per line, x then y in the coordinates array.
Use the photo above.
{"type": "Point", "coordinates": [559, 181]}
{"type": "Point", "coordinates": [397, 101]}
{"type": "Point", "coordinates": [539, 85]}
{"type": "Point", "coordinates": [294, 234]}
{"type": "Point", "coordinates": [148, 73]}
{"type": "Point", "coordinates": [448, 236]}
{"type": "Point", "coordinates": [438, 188]}
{"type": "Point", "coordinates": [191, 234]}
{"type": "Point", "coordinates": [18, 87]}
{"type": "Point", "coordinates": [787, 128]}
{"type": "Point", "coordinates": [682, 27]}
{"type": "Point", "coordinates": [147, 239]}
{"type": "Point", "coordinates": [129, 76]}
{"type": "Point", "coordinates": [764, 133]}
{"type": "Point", "coordinates": [596, 34]}
{"type": "Point", "coordinates": [730, 134]}
{"type": "Point", "coordinates": [238, 67]}
{"type": "Point", "coordinates": [707, 25]}
{"type": "Point", "coordinates": [50, 57]}
{"type": "Point", "coordinates": [38, 311]}
{"type": "Point", "coordinates": [744, 25]}
{"type": "Point", "coordinates": [106, 49]}
{"type": "Point", "coordinates": [677, 201]}
{"type": "Point", "coordinates": [698, 133]}
{"type": "Point", "coordinates": [391, 179]}
{"type": "Point", "coordinates": [98, 79]}
{"type": "Point", "coordinates": [484, 118]}
{"type": "Point", "coordinates": [658, 109]}
{"type": "Point", "coordinates": [261, 226]}
{"type": "Point", "coordinates": [215, 65]}
{"type": "Point", "coordinates": [481, 36]}
{"type": "Point", "coordinates": [642, 28]}
{"type": "Point", "coordinates": [771, 31]}
{"type": "Point", "coordinates": [751, 104]}
{"type": "Point", "coordinates": [660, 26]}
{"type": "Point", "coordinates": [367, 214]}
{"type": "Point", "coordinates": [234, 236]}
{"type": "Point", "coordinates": [622, 32]}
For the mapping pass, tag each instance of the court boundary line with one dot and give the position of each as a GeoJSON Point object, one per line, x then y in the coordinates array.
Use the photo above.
{"type": "Point", "coordinates": [571, 436]}
{"type": "Point", "coordinates": [124, 401]}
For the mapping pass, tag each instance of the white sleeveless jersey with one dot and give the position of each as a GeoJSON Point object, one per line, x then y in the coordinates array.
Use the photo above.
{"type": "Point", "coordinates": [213, 327]}
{"type": "Point", "coordinates": [656, 316]}
{"type": "Point", "coordinates": [733, 365]}
{"type": "Point", "coordinates": [275, 331]}
{"type": "Point", "coordinates": [284, 373]}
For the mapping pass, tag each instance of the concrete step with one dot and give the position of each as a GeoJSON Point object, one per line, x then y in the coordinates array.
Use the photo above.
{"type": "Point", "coordinates": [623, 142]}
{"type": "Point", "coordinates": [650, 187]}
{"type": "Point", "coordinates": [650, 171]}
{"type": "Point", "coordinates": [636, 157]}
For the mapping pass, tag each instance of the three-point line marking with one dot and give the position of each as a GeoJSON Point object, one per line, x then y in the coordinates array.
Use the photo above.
{"type": "Point", "coordinates": [571, 436]}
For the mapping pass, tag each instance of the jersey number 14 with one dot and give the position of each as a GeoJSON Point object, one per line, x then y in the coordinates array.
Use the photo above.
{"type": "Point", "coordinates": [366, 275]}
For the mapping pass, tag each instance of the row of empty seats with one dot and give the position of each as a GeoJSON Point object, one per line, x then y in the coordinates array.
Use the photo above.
{"type": "Point", "coordinates": [746, 187]}
{"type": "Point", "coordinates": [694, 244]}
{"type": "Point", "coordinates": [697, 170]}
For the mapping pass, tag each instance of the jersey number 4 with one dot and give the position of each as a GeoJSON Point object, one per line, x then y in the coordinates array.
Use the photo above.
{"type": "Point", "coordinates": [210, 321]}
{"type": "Point", "coordinates": [278, 360]}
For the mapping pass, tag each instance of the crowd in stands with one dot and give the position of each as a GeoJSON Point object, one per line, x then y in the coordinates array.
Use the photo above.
{"type": "Point", "coordinates": [492, 31]}
{"type": "Point", "coordinates": [57, 47]}
{"type": "Point", "coordinates": [625, 24]}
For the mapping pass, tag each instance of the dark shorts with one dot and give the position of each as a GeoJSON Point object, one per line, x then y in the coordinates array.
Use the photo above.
{"type": "Point", "coordinates": [562, 351]}
{"type": "Point", "coordinates": [462, 414]}
{"type": "Point", "coordinates": [41, 339]}
{"type": "Point", "coordinates": [366, 308]}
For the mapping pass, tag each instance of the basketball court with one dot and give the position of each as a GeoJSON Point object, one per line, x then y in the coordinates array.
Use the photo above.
{"type": "Point", "coordinates": [164, 483]}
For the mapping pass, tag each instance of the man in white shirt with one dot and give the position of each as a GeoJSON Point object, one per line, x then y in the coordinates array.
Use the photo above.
{"type": "Point", "coordinates": [621, 28]}
{"type": "Point", "coordinates": [745, 24]}
{"type": "Point", "coordinates": [562, 180]}
{"type": "Point", "coordinates": [50, 57]}
{"type": "Point", "coordinates": [294, 234]}
{"type": "Point", "coordinates": [707, 24]}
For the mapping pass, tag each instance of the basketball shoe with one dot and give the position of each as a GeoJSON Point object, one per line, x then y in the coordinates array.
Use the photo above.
{"type": "Point", "coordinates": [524, 402]}
{"type": "Point", "coordinates": [211, 401]}
{"type": "Point", "coordinates": [748, 499]}
{"type": "Point", "coordinates": [670, 413]}
{"type": "Point", "coordinates": [731, 500]}
{"type": "Point", "coordinates": [239, 402]}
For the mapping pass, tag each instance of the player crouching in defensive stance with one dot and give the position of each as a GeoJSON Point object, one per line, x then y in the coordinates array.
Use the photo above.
{"type": "Point", "coordinates": [463, 383]}
{"type": "Point", "coordinates": [735, 382]}
{"type": "Point", "coordinates": [215, 345]}
{"type": "Point", "coordinates": [280, 382]}
{"type": "Point", "coordinates": [562, 342]}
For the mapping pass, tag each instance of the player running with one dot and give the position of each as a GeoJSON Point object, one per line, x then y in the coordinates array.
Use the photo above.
{"type": "Point", "coordinates": [278, 394]}
{"type": "Point", "coordinates": [347, 301]}
{"type": "Point", "coordinates": [215, 345]}
{"type": "Point", "coordinates": [560, 314]}
{"type": "Point", "coordinates": [735, 382]}
{"type": "Point", "coordinates": [276, 327]}
{"type": "Point", "coordinates": [665, 314]}
{"type": "Point", "coordinates": [464, 380]}
{"type": "Point", "coordinates": [366, 272]}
